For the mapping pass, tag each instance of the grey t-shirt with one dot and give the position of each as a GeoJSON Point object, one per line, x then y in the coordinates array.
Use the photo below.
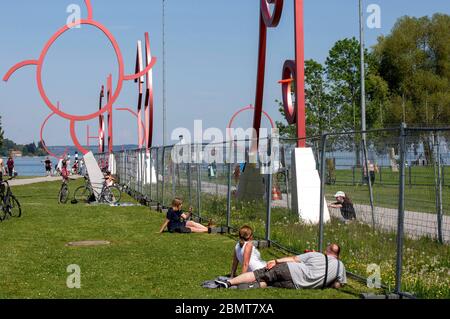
{"type": "Point", "coordinates": [310, 271]}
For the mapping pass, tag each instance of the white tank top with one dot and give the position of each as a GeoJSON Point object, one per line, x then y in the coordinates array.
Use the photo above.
{"type": "Point", "coordinates": [255, 258]}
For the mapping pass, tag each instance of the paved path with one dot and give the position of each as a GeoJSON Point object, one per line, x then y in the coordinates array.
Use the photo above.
{"type": "Point", "coordinates": [416, 224]}
{"type": "Point", "coordinates": [45, 179]}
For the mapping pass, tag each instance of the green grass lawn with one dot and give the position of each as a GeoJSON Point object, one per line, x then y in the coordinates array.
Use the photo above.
{"type": "Point", "coordinates": [138, 264]}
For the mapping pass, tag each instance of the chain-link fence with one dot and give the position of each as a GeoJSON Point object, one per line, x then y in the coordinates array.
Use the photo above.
{"type": "Point", "coordinates": [395, 180]}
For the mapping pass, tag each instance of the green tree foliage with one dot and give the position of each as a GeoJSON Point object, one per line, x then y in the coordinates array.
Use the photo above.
{"type": "Point", "coordinates": [407, 80]}
{"type": "Point", "coordinates": [415, 61]}
{"type": "Point", "coordinates": [333, 97]}
{"type": "Point", "coordinates": [27, 149]}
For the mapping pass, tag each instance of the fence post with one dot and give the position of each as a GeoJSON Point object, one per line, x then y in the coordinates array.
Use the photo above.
{"type": "Point", "coordinates": [125, 156]}
{"type": "Point", "coordinates": [381, 175]}
{"type": "Point", "coordinates": [268, 188]}
{"type": "Point", "coordinates": [353, 175]}
{"type": "Point", "coordinates": [401, 210]}
{"type": "Point", "coordinates": [229, 196]}
{"type": "Point", "coordinates": [410, 175]}
{"type": "Point", "coordinates": [369, 180]}
{"type": "Point", "coordinates": [286, 179]}
{"type": "Point", "coordinates": [199, 185]}
{"type": "Point", "coordinates": [322, 188]}
{"type": "Point", "coordinates": [173, 176]}
{"type": "Point", "coordinates": [163, 164]}
{"type": "Point", "coordinates": [189, 182]}
{"type": "Point", "coordinates": [150, 160]}
{"type": "Point", "coordinates": [157, 176]}
{"type": "Point", "coordinates": [439, 194]}
{"type": "Point", "coordinates": [142, 168]}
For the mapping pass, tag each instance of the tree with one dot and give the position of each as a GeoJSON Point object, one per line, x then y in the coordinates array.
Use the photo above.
{"type": "Point", "coordinates": [344, 76]}
{"type": "Point", "coordinates": [414, 59]}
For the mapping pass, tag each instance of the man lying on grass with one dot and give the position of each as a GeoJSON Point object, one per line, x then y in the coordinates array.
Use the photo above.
{"type": "Point", "coordinates": [177, 221]}
{"type": "Point", "coordinates": [310, 270]}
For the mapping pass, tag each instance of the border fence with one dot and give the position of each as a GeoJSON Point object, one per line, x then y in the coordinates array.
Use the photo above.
{"type": "Point", "coordinates": [397, 179]}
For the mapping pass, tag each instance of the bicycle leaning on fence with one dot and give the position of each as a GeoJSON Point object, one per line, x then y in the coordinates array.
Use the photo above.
{"type": "Point", "coordinates": [110, 194]}
{"type": "Point", "coordinates": [9, 205]}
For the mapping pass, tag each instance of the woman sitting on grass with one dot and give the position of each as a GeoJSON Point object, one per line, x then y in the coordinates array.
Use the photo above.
{"type": "Point", "coordinates": [177, 221]}
{"type": "Point", "coordinates": [246, 254]}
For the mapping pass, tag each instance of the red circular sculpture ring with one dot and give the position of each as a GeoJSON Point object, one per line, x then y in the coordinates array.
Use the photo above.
{"type": "Point", "coordinates": [288, 77]}
{"type": "Point", "coordinates": [111, 100]}
{"type": "Point", "coordinates": [271, 20]}
{"type": "Point", "coordinates": [66, 150]}
{"type": "Point", "coordinates": [117, 91]}
{"type": "Point", "coordinates": [247, 108]}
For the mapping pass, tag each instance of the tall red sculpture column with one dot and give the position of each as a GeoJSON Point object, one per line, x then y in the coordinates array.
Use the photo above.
{"type": "Point", "coordinates": [293, 71]}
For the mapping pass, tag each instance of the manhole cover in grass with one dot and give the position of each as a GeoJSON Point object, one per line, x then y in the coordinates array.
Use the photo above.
{"type": "Point", "coordinates": [89, 243]}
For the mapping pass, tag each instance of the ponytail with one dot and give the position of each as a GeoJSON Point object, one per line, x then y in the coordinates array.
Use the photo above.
{"type": "Point", "coordinates": [245, 234]}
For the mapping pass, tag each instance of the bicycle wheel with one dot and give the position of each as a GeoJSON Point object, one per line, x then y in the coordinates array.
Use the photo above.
{"type": "Point", "coordinates": [14, 207]}
{"type": "Point", "coordinates": [82, 194]}
{"type": "Point", "coordinates": [112, 194]}
{"type": "Point", "coordinates": [63, 194]}
{"type": "Point", "coordinates": [2, 212]}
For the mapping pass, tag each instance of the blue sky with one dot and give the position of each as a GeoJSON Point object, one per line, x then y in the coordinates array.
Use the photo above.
{"type": "Point", "coordinates": [211, 58]}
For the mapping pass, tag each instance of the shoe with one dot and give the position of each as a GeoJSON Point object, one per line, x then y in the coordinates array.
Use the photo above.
{"type": "Point", "coordinates": [223, 284]}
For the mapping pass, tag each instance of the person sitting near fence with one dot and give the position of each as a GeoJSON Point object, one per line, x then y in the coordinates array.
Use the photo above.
{"type": "Point", "coordinates": [109, 179]}
{"type": "Point", "coordinates": [307, 271]}
{"type": "Point", "coordinates": [177, 221]}
{"type": "Point", "coordinates": [245, 253]}
{"type": "Point", "coordinates": [344, 203]}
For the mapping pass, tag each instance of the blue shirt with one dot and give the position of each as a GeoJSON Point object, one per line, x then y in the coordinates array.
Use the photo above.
{"type": "Point", "coordinates": [175, 219]}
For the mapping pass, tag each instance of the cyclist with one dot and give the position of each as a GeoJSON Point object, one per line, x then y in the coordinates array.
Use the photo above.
{"type": "Point", "coordinates": [64, 171]}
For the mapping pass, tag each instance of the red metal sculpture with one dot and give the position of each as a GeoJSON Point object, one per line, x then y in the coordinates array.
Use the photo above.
{"type": "Point", "coordinates": [293, 71]}
{"type": "Point", "coordinates": [44, 124]}
{"type": "Point", "coordinates": [112, 94]}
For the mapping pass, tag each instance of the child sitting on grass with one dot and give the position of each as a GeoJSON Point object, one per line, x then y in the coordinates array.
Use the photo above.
{"type": "Point", "coordinates": [177, 221]}
{"type": "Point", "coordinates": [246, 254]}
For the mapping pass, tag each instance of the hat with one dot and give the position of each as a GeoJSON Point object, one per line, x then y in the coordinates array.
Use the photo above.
{"type": "Point", "coordinates": [339, 194]}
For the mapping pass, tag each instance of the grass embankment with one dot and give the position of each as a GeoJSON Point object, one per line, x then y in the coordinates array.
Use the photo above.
{"type": "Point", "coordinates": [426, 263]}
{"type": "Point", "coordinates": [139, 263]}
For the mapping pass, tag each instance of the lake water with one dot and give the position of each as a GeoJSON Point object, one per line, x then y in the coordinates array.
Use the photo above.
{"type": "Point", "coordinates": [29, 166]}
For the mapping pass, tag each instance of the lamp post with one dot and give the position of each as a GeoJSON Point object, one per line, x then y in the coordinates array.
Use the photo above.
{"type": "Point", "coordinates": [164, 71]}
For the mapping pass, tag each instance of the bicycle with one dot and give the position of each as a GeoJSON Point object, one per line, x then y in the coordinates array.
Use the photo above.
{"type": "Point", "coordinates": [8, 202]}
{"type": "Point", "coordinates": [109, 194]}
{"type": "Point", "coordinates": [63, 195]}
